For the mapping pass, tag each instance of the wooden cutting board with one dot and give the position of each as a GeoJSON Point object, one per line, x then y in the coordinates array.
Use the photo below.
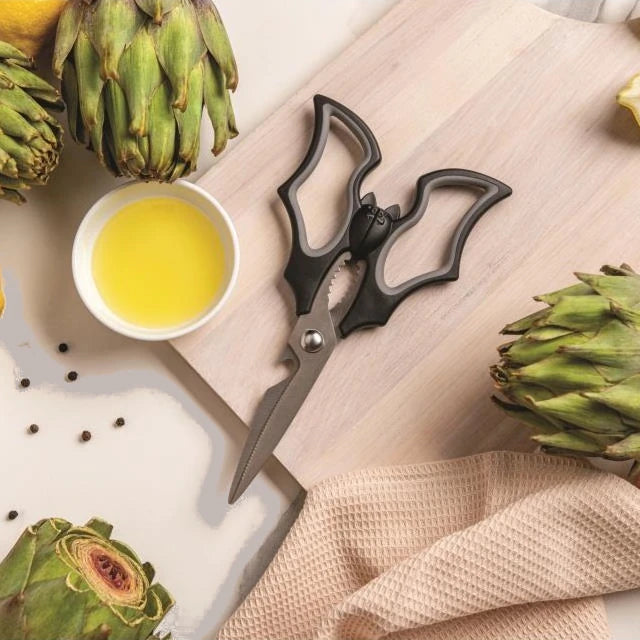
{"type": "Point", "coordinates": [497, 86]}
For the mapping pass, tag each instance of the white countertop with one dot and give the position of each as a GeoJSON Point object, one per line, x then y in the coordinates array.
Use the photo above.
{"type": "Point", "coordinates": [162, 479]}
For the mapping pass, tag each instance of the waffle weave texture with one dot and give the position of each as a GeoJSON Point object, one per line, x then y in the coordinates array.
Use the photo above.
{"type": "Point", "coordinates": [497, 546]}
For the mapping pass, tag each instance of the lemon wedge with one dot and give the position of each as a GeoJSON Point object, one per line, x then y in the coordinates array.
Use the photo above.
{"type": "Point", "coordinates": [2, 298]}
{"type": "Point", "coordinates": [629, 96]}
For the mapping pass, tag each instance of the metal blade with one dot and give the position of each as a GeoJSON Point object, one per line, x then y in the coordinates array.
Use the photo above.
{"type": "Point", "coordinates": [276, 411]}
{"type": "Point", "coordinates": [281, 403]}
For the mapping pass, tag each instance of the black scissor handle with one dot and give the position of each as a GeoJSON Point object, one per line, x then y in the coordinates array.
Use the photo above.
{"type": "Point", "coordinates": [307, 267]}
{"type": "Point", "coordinates": [376, 301]}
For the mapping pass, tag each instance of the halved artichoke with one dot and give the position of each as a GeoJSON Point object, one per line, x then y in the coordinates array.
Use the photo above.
{"type": "Point", "coordinates": [74, 583]}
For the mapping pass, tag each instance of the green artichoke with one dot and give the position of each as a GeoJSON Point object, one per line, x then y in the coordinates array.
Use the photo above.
{"type": "Point", "coordinates": [30, 138]}
{"type": "Point", "coordinates": [573, 374]}
{"type": "Point", "coordinates": [135, 75]}
{"type": "Point", "coordinates": [61, 582]}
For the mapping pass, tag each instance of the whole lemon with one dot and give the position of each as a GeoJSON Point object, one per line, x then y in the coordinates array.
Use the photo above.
{"type": "Point", "coordinates": [29, 24]}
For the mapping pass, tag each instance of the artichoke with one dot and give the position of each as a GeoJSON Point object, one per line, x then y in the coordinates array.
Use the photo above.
{"type": "Point", "coordinates": [74, 583]}
{"type": "Point", "coordinates": [30, 138]}
{"type": "Point", "coordinates": [573, 374]}
{"type": "Point", "coordinates": [135, 75]}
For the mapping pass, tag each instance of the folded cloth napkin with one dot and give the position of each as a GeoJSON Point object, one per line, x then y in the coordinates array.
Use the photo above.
{"type": "Point", "coordinates": [498, 546]}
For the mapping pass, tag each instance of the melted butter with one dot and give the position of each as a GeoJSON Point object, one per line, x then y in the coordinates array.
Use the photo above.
{"type": "Point", "coordinates": [159, 262]}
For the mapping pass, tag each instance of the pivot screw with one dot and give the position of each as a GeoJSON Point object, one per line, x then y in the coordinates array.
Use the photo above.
{"type": "Point", "coordinates": [312, 341]}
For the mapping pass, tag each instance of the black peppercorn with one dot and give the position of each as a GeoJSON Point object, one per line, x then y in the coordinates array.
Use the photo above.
{"type": "Point", "coordinates": [86, 436]}
{"type": "Point", "coordinates": [63, 347]}
{"type": "Point", "coordinates": [72, 375]}
{"type": "Point", "coordinates": [120, 422]}
{"type": "Point", "coordinates": [12, 515]}
{"type": "Point", "coordinates": [25, 382]}
{"type": "Point", "coordinates": [34, 428]}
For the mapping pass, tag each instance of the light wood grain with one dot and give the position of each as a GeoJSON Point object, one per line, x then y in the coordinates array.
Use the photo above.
{"type": "Point", "coordinates": [497, 86]}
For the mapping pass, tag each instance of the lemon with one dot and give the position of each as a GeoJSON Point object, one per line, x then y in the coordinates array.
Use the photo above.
{"type": "Point", "coordinates": [2, 299]}
{"type": "Point", "coordinates": [29, 24]}
{"type": "Point", "coordinates": [629, 97]}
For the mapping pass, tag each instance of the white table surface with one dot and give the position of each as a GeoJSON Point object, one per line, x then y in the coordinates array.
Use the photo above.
{"type": "Point", "coordinates": [163, 478]}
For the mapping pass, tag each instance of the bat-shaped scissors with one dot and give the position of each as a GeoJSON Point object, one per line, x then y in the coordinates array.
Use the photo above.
{"type": "Point", "coordinates": [366, 236]}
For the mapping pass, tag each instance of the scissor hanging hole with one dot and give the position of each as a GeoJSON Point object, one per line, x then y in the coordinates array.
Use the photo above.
{"type": "Point", "coordinates": [323, 197]}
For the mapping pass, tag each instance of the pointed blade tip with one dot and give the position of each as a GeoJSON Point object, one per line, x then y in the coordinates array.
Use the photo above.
{"type": "Point", "coordinates": [239, 484]}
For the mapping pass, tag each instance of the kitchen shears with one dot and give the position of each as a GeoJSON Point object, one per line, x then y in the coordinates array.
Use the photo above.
{"type": "Point", "coordinates": [367, 235]}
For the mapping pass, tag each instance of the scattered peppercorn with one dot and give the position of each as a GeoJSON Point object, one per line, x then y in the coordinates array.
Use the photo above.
{"type": "Point", "coordinates": [63, 347]}
{"type": "Point", "coordinates": [25, 382]}
{"type": "Point", "coordinates": [86, 436]}
{"type": "Point", "coordinates": [120, 422]}
{"type": "Point", "coordinates": [34, 428]}
{"type": "Point", "coordinates": [72, 375]}
{"type": "Point", "coordinates": [12, 515]}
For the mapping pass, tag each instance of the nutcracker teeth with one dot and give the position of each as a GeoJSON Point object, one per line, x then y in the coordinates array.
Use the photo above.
{"type": "Point", "coordinates": [336, 272]}
{"type": "Point", "coordinates": [344, 298]}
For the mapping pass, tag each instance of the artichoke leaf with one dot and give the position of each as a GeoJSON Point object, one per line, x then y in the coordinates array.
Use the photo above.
{"type": "Point", "coordinates": [214, 98]}
{"type": "Point", "coordinates": [12, 183]}
{"type": "Point", "coordinates": [48, 99]}
{"type": "Point", "coordinates": [567, 442]}
{"type": "Point", "coordinates": [526, 323]}
{"type": "Point", "coordinates": [67, 33]}
{"type": "Point", "coordinates": [140, 75]}
{"type": "Point", "coordinates": [162, 134]}
{"type": "Point", "coordinates": [96, 133]}
{"type": "Point", "coordinates": [527, 352]}
{"type": "Point", "coordinates": [627, 448]}
{"type": "Point", "coordinates": [15, 125]}
{"type": "Point", "coordinates": [613, 344]}
{"type": "Point", "coordinates": [21, 102]}
{"type": "Point", "coordinates": [127, 155]}
{"type": "Point", "coordinates": [179, 47]}
{"type": "Point", "coordinates": [622, 290]}
{"type": "Point", "coordinates": [112, 26]}
{"type": "Point", "coordinates": [70, 95]}
{"type": "Point", "coordinates": [17, 565]}
{"type": "Point", "coordinates": [560, 373]}
{"type": "Point", "coordinates": [623, 397]}
{"type": "Point", "coordinates": [579, 313]}
{"type": "Point", "coordinates": [553, 298]}
{"type": "Point", "coordinates": [545, 333]}
{"type": "Point", "coordinates": [188, 121]}
{"type": "Point", "coordinates": [217, 41]}
{"type": "Point", "coordinates": [11, 53]}
{"type": "Point", "coordinates": [26, 79]}
{"type": "Point", "coordinates": [156, 9]}
{"type": "Point", "coordinates": [522, 393]}
{"type": "Point", "coordinates": [12, 196]}
{"type": "Point", "coordinates": [628, 316]}
{"type": "Point", "coordinates": [540, 424]}
{"type": "Point", "coordinates": [23, 155]}
{"type": "Point", "coordinates": [623, 270]}
{"type": "Point", "coordinates": [90, 84]}
{"type": "Point", "coordinates": [582, 412]}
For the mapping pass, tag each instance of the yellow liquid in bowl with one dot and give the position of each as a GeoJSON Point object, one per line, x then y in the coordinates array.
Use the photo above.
{"type": "Point", "coordinates": [159, 262]}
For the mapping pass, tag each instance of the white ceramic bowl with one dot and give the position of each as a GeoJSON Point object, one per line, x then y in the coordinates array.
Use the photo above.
{"type": "Point", "coordinates": [108, 206]}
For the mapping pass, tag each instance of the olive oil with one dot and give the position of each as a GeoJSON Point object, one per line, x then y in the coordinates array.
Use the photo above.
{"type": "Point", "coordinates": [159, 262]}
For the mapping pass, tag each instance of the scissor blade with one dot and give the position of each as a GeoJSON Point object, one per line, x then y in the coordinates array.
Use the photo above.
{"type": "Point", "coordinates": [276, 411]}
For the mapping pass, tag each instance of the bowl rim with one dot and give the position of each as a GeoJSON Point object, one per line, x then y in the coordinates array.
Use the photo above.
{"type": "Point", "coordinates": [129, 329]}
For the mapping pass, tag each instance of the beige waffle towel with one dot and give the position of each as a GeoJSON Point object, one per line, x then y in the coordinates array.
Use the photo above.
{"type": "Point", "coordinates": [499, 546]}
